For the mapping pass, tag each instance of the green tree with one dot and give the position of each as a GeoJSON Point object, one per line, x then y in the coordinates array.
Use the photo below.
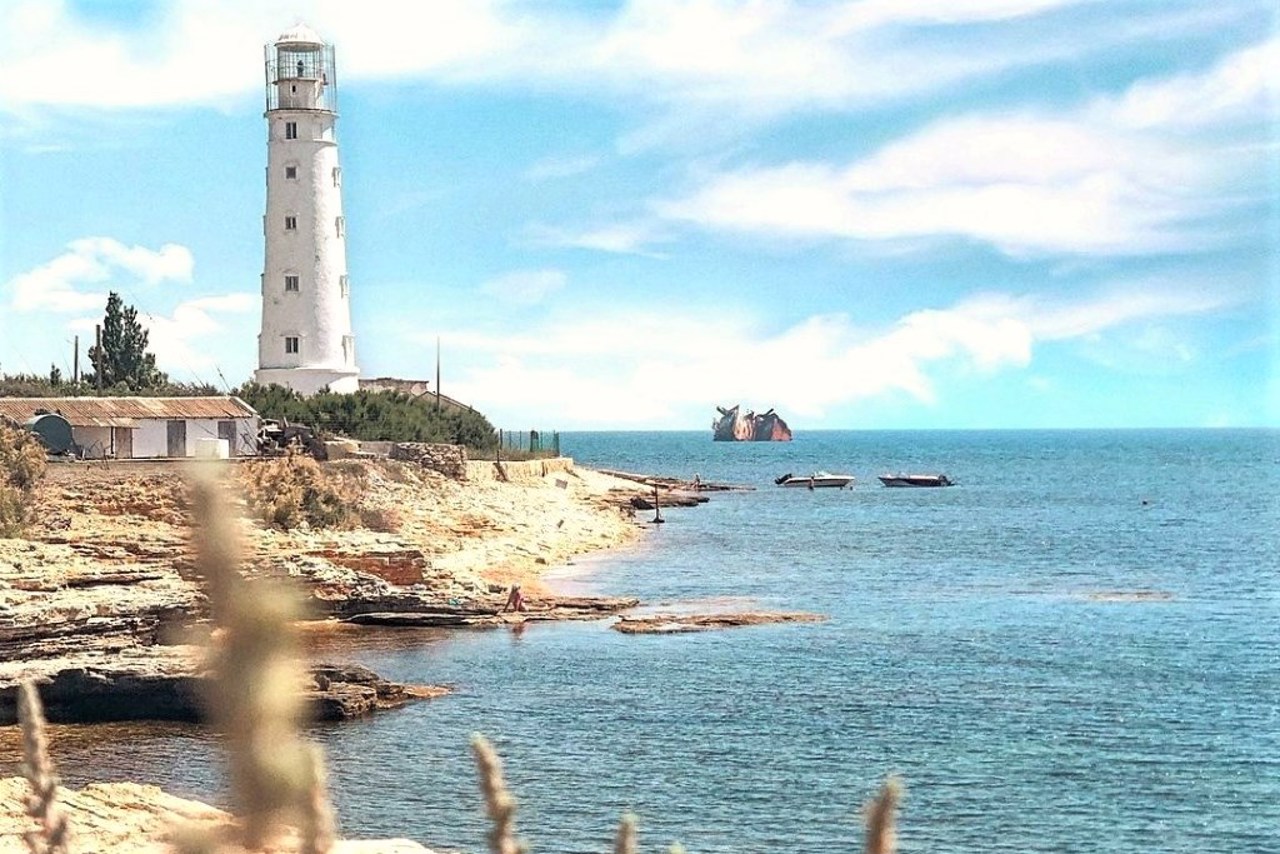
{"type": "Point", "coordinates": [123, 360]}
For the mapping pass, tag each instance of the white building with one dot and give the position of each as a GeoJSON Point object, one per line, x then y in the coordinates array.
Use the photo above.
{"type": "Point", "coordinates": [306, 342]}
{"type": "Point", "coordinates": [145, 427]}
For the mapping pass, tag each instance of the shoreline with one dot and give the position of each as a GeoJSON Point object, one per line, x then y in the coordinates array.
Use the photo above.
{"type": "Point", "coordinates": [103, 585]}
{"type": "Point", "coordinates": [102, 591]}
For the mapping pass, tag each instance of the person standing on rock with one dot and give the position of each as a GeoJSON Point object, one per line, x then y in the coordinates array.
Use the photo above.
{"type": "Point", "coordinates": [515, 600]}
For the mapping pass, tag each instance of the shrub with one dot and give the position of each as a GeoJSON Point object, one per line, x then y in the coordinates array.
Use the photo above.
{"type": "Point", "coordinates": [22, 463]}
{"type": "Point", "coordinates": [384, 520]}
{"type": "Point", "coordinates": [292, 490]}
{"type": "Point", "coordinates": [374, 415]}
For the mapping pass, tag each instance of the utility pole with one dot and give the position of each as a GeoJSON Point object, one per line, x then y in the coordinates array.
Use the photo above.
{"type": "Point", "coordinates": [75, 363]}
{"type": "Point", "coordinates": [437, 373]}
{"type": "Point", "coordinates": [97, 369]}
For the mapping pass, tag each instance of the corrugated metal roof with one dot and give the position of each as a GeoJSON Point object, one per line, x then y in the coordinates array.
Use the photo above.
{"type": "Point", "coordinates": [126, 411]}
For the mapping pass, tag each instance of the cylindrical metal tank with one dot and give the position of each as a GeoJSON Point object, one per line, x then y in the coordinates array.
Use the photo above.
{"type": "Point", "coordinates": [53, 431]}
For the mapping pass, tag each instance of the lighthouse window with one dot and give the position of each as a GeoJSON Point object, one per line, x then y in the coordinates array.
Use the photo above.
{"type": "Point", "coordinates": [344, 285]}
{"type": "Point", "coordinates": [291, 283]}
{"type": "Point", "coordinates": [290, 130]}
{"type": "Point", "coordinates": [290, 223]}
{"type": "Point", "coordinates": [337, 176]}
{"type": "Point", "coordinates": [341, 226]}
{"type": "Point", "coordinates": [291, 344]}
{"type": "Point", "coordinates": [291, 171]}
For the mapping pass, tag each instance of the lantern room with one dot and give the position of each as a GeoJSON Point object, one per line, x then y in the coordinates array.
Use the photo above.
{"type": "Point", "coordinates": [300, 72]}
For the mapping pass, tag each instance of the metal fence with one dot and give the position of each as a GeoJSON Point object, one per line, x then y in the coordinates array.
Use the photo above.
{"type": "Point", "coordinates": [532, 443]}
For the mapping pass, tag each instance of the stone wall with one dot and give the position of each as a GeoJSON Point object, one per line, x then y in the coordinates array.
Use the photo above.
{"type": "Point", "coordinates": [449, 460]}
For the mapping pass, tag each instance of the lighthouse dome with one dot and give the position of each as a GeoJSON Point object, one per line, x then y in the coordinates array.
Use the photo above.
{"type": "Point", "coordinates": [300, 37]}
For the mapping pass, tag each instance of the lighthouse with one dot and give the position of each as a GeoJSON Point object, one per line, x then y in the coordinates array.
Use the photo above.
{"type": "Point", "coordinates": [306, 341]}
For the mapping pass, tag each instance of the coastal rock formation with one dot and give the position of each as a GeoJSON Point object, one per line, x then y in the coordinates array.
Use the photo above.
{"type": "Point", "coordinates": [128, 818]}
{"type": "Point", "coordinates": [538, 609]}
{"type": "Point", "coordinates": [167, 683]}
{"type": "Point", "coordinates": [104, 583]}
{"type": "Point", "coordinates": [736, 426]}
{"type": "Point", "coordinates": [666, 624]}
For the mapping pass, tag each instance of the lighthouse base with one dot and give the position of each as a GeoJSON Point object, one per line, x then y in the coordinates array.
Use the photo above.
{"type": "Point", "coordinates": [308, 381]}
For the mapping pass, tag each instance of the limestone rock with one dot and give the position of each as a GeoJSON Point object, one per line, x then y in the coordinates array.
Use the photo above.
{"type": "Point", "coordinates": [128, 818]}
{"type": "Point", "coordinates": [167, 683]}
{"type": "Point", "coordinates": [659, 624]}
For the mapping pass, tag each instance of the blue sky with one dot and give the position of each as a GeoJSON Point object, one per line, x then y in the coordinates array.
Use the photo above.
{"type": "Point", "coordinates": [875, 214]}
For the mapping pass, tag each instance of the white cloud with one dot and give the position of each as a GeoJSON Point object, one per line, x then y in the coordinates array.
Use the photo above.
{"type": "Point", "coordinates": [757, 57]}
{"type": "Point", "coordinates": [1105, 178]}
{"type": "Point", "coordinates": [655, 369]}
{"type": "Point", "coordinates": [525, 287]}
{"type": "Point", "coordinates": [876, 13]}
{"type": "Point", "coordinates": [621, 238]}
{"type": "Point", "coordinates": [551, 168]}
{"type": "Point", "coordinates": [96, 261]}
{"type": "Point", "coordinates": [1245, 86]}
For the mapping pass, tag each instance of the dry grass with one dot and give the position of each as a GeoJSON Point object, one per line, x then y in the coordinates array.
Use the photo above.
{"type": "Point", "coordinates": [295, 490]}
{"type": "Point", "coordinates": [255, 697]}
{"type": "Point", "coordinates": [879, 817]}
{"type": "Point", "coordinates": [499, 804]}
{"type": "Point", "coordinates": [22, 464]}
{"type": "Point", "coordinates": [52, 835]}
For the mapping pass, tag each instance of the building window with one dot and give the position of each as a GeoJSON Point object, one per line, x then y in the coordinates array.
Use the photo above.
{"type": "Point", "coordinates": [291, 283]}
{"type": "Point", "coordinates": [340, 226]}
{"type": "Point", "coordinates": [290, 223]}
{"type": "Point", "coordinates": [290, 130]}
{"type": "Point", "coordinates": [349, 349]}
{"type": "Point", "coordinates": [291, 344]}
{"type": "Point", "coordinates": [291, 171]}
{"type": "Point", "coordinates": [344, 285]}
{"type": "Point", "coordinates": [337, 176]}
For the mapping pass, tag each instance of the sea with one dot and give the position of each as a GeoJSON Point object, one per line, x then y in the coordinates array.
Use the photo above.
{"type": "Point", "coordinates": [1075, 649]}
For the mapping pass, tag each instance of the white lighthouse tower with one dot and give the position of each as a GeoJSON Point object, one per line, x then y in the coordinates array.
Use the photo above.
{"type": "Point", "coordinates": [306, 342]}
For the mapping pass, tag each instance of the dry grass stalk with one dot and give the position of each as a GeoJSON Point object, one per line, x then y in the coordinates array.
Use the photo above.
{"type": "Point", "coordinates": [625, 841]}
{"type": "Point", "coordinates": [37, 767]}
{"type": "Point", "coordinates": [188, 839]}
{"type": "Point", "coordinates": [499, 804]}
{"type": "Point", "coordinates": [879, 817]}
{"type": "Point", "coordinates": [317, 820]}
{"type": "Point", "coordinates": [255, 698]}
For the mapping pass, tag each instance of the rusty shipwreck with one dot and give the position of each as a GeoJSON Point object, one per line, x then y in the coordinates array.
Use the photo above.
{"type": "Point", "coordinates": [733, 425]}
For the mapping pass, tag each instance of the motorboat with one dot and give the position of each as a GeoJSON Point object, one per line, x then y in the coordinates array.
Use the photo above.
{"type": "Point", "coordinates": [916, 480]}
{"type": "Point", "coordinates": [817, 480]}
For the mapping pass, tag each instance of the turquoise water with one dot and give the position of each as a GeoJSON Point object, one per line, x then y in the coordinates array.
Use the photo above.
{"type": "Point", "coordinates": [1074, 650]}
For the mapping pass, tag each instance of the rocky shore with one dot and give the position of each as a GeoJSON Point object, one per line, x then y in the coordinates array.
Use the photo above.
{"type": "Point", "coordinates": [128, 818]}
{"type": "Point", "coordinates": [100, 604]}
